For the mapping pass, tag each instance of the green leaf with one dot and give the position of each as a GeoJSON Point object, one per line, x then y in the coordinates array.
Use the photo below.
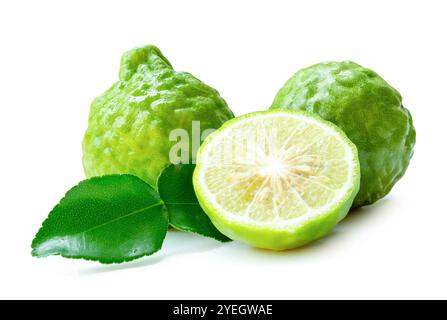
{"type": "Point", "coordinates": [110, 219]}
{"type": "Point", "coordinates": [177, 191]}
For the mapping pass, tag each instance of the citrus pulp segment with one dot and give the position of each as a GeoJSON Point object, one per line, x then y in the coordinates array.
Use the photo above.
{"type": "Point", "coordinates": [277, 179]}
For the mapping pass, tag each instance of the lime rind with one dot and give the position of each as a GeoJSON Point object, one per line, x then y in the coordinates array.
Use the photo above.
{"type": "Point", "coordinates": [134, 126]}
{"type": "Point", "coordinates": [288, 233]}
{"type": "Point", "coordinates": [368, 109]}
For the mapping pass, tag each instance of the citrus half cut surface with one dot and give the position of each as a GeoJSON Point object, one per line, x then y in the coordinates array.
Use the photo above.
{"type": "Point", "coordinates": [277, 179]}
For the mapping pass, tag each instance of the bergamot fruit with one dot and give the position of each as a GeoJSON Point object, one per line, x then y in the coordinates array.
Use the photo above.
{"type": "Point", "coordinates": [367, 109]}
{"type": "Point", "coordinates": [129, 125]}
{"type": "Point", "coordinates": [277, 179]}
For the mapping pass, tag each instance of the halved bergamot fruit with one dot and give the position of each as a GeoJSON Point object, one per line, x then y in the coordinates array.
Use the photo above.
{"type": "Point", "coordinates": [277, 179]}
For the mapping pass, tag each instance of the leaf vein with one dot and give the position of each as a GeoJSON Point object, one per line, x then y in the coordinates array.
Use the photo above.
{"type": "Point", "coordinates": [120, 218]}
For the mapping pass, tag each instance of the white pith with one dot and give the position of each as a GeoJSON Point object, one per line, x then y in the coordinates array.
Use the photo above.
{"type": "Point", "coordinates": [278, 172]}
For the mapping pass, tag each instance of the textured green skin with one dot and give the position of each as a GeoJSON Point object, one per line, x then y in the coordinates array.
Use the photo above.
{"type": "Point", "coordinates": [129, 125]}
{"type": "Point", "coordinates": [278, 239]}
{"type": "Point", "coordinates": [367, 109]}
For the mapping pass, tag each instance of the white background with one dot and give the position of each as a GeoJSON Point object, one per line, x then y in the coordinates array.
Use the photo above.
{"type": "Point", "coordinates": [56, 56]}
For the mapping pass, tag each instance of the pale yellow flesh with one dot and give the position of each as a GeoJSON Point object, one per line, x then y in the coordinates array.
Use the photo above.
{"type": "Point", "coordinates": [276, 169]}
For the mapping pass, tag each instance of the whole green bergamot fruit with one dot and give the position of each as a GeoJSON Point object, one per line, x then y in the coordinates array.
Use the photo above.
{"type": "Point", "coordinates": [130, 124]}
{"type": "Point", "coordinates": [367, 109]}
